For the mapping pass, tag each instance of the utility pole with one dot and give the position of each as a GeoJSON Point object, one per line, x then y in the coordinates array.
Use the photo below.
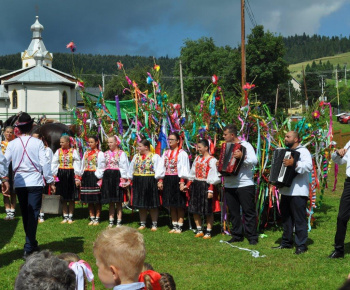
{"type": "Point", "coordinates": [322, 85]}
{"type": "Point", "coordinates": [306, 100]}
{"type": "Point", "coordinates": [103, 82]}
{"type": "Point", "coordinates": [345, 73]}
{"type": "Point", "coordinates": [243, 60]}
{"type": "Point", "coordinates": [182, 91]}
{"type": "Point", "coordinates": [290, 96]}
{"type": "Point", "coordinates": [276, 99]}
{"type": "Point", "coordinates": [337, 86]}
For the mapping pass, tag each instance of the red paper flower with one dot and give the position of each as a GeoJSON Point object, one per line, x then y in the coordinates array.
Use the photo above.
{"type": "Point", "coordinates": [72, 46]}
{"type": "Point", "coordinates": [120, 65]}
{"type": "Point", "coordinates": [248, 86]}
{"type": "Point", "coordinates": [214, 79]}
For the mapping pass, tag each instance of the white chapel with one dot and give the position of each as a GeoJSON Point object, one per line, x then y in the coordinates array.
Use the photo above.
{"type": "Point", "coordinates": [36, 88]}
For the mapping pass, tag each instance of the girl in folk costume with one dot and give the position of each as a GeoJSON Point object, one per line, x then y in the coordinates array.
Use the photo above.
{"type": "Point", "coordinates": [114, 179]}
{"type": "Point", "coordinates": [9, 202]}
{"type": "Point", "coordinates": [92, 168]}
{"type": "Point", "coordinates": [203, 176]}
{"type": "Point", "coordinates": [144, 189]}
{"type": "Point", "coordinates": [66, 168]}
{"type": "Point", "coordinates": [173, 168]}
{"type": "Point", "coordinates": [48, 155]}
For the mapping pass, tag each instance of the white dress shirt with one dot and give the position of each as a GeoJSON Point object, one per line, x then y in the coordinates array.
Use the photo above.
{"type": "Point", "coordinates": [3, 166]}
{"type": "Point", "coordinates": [300, 183]}
{"type": "Point", "coordinates": [246, 173]}
{"type": "Point", "coordinates": [26, 175]}
{"type": "Point", "coordinates": [342, 160]}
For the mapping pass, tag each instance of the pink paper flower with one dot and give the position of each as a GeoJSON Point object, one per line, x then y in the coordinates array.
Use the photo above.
{"type": "Point", "coordinates": [316, 115]}
{"type": "Point", "coordinates": [128, 80]}
{"type": "Point", "coordinates": [72, 46]}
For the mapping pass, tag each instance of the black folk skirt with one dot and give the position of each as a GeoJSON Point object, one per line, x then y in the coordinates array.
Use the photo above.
{"type": "Point", "coordinates": [90, 191]}
{"type": "Point", "coordinates": [199, 202]}
{"type": "Point", "coordinates": [65, 187]}
{"type": "Point", "coordinates": [110, 190]}
{"type": "Point", "coordinates": [145, 192]}
{"type": "Point", "coordinates": [172, 195]}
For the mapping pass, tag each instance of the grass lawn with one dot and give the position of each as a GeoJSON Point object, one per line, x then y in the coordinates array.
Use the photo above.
{"type": "Point", "coordinates": [295, 69]}
{"type": "Point", "coordinates": [197, 263]}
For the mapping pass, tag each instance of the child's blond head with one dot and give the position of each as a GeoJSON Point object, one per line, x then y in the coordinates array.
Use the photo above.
{"type": "Point", "coordinates": [122, 247]}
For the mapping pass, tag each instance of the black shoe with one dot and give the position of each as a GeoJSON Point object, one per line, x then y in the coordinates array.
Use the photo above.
{"type": "Point", "coordinates": [253, 242]}
{"type": "Point", "coordinates": [282, 247]}
{"type": "Point", "coordinates": [336, 254]}
{"type": "Point", "coordinates": [299, 251]}
{"type": "Point", "coordinates": [26, 254]}
{"type": "Point", "coordinates": [235, 240]}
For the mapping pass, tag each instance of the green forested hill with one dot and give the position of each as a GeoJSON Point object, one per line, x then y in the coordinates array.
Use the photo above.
{"type": "Point", "coordinates": [92, 63]}
{"type": "Point", "coordinates": [301, 48]}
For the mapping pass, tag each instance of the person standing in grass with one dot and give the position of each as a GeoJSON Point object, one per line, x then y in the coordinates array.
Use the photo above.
{"type": "Point", "coordinates": [202, 178]}
{"type": "Point", "coordinates": [114, 179]}
{"type": "Point", "coordinates": [240, 190]}
{"type": "Point", "coordinates": [49, 155]}
{"type": "Point", "coordinates": [294, 198]}
{"type": "Point", "coordinates": [92, 168]}
{"type": "Point", "coordinates": [171, 173]}
{"type": "Point", "coordinates": [9, 202]}
{"type": "Point", "coordinates": [342, 156]}
{"type": "Point", "coordinates": [30, 169]}
{"type": "Point", "coordinates": [144, 184]}
{"type": "Point", "coordinates": [66, 167]}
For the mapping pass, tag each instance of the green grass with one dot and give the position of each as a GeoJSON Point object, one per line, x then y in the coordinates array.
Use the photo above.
{"type": "Point", "coordinates": [340, 126]}
{"type": "Point", "coordinates": [295, 69]}
{"type": "Point", "coordinates": [197, 263]}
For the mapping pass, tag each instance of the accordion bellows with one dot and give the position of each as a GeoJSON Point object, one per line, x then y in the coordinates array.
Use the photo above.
{"type": "Point", "coordinates": [229, 165]}
{"type": "Point", "coordinates": [281, 175]}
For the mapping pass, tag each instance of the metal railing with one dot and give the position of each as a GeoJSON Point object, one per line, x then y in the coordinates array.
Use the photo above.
{"type": "Point", "coordinates": [65, 118]}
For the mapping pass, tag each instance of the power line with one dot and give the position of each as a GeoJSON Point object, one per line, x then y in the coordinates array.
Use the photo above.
{"type": "Point", "coordinates": [250, 13]}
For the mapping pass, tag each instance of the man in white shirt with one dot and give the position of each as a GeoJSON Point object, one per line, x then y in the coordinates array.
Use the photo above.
{"type": "Point", "coordinates": [30, 168]}
{"type": "Point", "coordinates": [240, 191]}
{"type": "Point", "coordinates": [342, 156]}
{"type": "Point", "coordinates": [294, 198]}
{"type": "Point", "coordinates": [5, 185]}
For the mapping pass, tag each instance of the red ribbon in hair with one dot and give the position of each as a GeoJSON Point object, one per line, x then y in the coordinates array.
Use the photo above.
{"type": "Point", "coordinates": [155, 277]}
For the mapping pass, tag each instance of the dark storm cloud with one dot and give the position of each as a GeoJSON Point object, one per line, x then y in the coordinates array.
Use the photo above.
{"type": "Point", "coordinates": [154, 27]}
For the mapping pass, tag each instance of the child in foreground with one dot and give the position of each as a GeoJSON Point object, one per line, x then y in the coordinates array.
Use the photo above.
{"type": "Point", "coordinates": [120, 254]}
{"type": "Point", "coordinates": [82, 270]}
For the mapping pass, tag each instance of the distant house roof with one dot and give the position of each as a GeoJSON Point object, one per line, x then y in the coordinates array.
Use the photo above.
{"type": "Point", "coordinates": [90, 90]}
{"type": "Point", "coordinates": [39, 74]}
{"type": "Point", "coordinates": [3, 93]}
{"type": "Point", "coordinates": [295, 80]}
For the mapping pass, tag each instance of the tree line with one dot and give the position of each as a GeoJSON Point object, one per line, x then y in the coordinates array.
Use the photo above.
{"type": "Point", "coordinates": [304, 47]}
{"type": "Point", "coordinates": [267, 59]}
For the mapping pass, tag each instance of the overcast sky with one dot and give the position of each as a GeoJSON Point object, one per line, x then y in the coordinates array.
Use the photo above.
{"type": "Point", "coordinates": [159, 27]}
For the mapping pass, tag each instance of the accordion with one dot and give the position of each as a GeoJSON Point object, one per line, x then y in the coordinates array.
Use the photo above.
{"type": "Point", "coordinates": [229, 165]}
{"type": "Point", "coordinates": [281, 175]}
